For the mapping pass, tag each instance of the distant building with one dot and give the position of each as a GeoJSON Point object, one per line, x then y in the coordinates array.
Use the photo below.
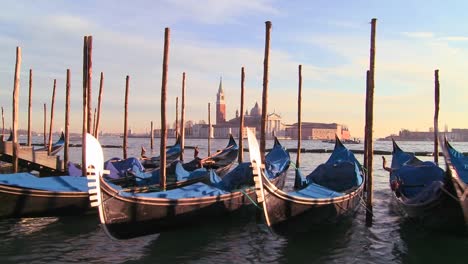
{"type": "Point", "coordinates": [457, 134]}
{"type": "Point", "coordinates": [274, 126]}
{"type": "Point", "coordinates": [252, 120]}
{"type": "Point", "coordinates": [220, 104]}
{"type": "Point", "coordinates": [318, 131]}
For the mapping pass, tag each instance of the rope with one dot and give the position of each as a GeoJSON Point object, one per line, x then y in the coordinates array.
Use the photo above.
{"type": "Point", "coordinates": [292, 164]}
{"type": "Point", "coordinates": [449, 194]}
{"type": "Point", "coordinates": [363, 203]}
{"type": "Point", "coordinates": [253, 202]}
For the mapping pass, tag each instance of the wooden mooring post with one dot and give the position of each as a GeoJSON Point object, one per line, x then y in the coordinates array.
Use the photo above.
{"type": "Point", "coordinates": [209, 129]}
{"type": "Point", "coordinates": [163, 141]}
{"type": "Point", "coordinates": [89, 72]}
{"type": "Point", "coordinates": [30, 108]}
{"type": "Point", "coordinates": [125, 135]}
{"type": "Point", "coordinates": [16, 109]}
{"type": "Point", "coordinates": [266, 62]}
{"type": "Point", "coordinates": [176, 130]}
{"type": "Point", "coordinates": [98, 118]}
{"type": "Point", "coordinates": [241, 119]}
{"type": "Point", "coordinates": [87, 69]}
{"type": "Point", "coordinates": [298, 180]}
{"type": "Point", "coordinates": [299, 119]}
{"type": "Point", "coordinates": [369, 124]}
{"type": "Point", "coordinates": [182, 119]}
{"type": "Point", "coordinates": [93, 130]}
{"type": "Point", "coordinates": [45, 125]}
{"type": "Point", "coordinates": [436, 116]}
{"type": "Point", "coordinates": [152, 136]}
{"type": "Point", "coordinates": [3, 123]}
{"type": "Point", "coordinates": [66, 147]}
{"type": "Point", "coordinates": [51, 125]}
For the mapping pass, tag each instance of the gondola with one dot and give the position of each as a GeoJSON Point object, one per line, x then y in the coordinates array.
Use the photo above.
{"type": "Point", "coordinates": [457, 174]}
{"type": "Point", "coordinates": [419, 188]}
{"type": "Point", "coordinates": [172, 154]}
{"type": "Point", "coordinates": [56, 147]}
{"type": "Point", "coordinates": [26, 195]}
{"type": "Point", "coordinates": [328, 194]}
{"type": "Point", "coordinates": [127, 214]}
{"type": "Point", "coordinates": [221, 161]}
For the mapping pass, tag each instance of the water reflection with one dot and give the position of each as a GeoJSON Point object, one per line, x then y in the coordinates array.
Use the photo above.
{"type": "Point", "coordinates": [432, 246]}
{"type": "Point", "coordinates": [69, 240]}
{"type": "Point", "coordinates": [238, 238]}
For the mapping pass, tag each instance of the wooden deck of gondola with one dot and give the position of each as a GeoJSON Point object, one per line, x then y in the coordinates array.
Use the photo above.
{"type": "Point", "coordinates": [30, 159]}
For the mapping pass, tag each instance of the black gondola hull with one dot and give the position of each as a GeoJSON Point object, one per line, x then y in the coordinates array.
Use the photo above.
{"type": "Point", "coordinates": [287, 214]}
{"type": "Point", "coordinates": [129, 217]}
{"type": "Point", "coordinates": [24, 202]}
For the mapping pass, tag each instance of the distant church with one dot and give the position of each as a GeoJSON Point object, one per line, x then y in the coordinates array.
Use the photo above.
{"type": "Point", "coordinates": [224, 127]}
{"type": "Point", "coordinates": [274, 127]}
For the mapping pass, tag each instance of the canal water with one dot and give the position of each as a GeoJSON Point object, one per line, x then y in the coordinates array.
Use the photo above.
{"type": "Point", "coordinates": [241, 238]}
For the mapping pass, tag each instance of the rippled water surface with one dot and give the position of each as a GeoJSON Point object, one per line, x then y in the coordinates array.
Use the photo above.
{"type": "Point", "coordinates": [240, 238]}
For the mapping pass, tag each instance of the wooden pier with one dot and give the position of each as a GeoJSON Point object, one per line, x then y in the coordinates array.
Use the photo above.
{"type": "Point", "coordinates": [33, 160]}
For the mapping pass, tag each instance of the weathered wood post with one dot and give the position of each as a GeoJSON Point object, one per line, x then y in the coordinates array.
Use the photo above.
{"type": "Point", "coordinates": [366, 139]}
{"type": "Point", "coordinates": [299, 120]}
{"type": "Point", "coordinates": [369, 124]}
{"type": "Point", "coordinates": [66, 147]}
{"type": "Point", "coordinates": [51, 125]}
{"type": "Point", "coordinates": [98, 119]}
{"type": "Point", "coordinates": [241, 121]}
{"type": "Point", "coordinates": [3, 123]}
{"type": "Point", "coordinates": [89, 82]}
{"type": "Point", "coordinates": [93, 131]}
{"type": "Point", "coordinates": [85, 106]}
{"type": "Point", "coordinates": [30, 108]}
{"type": "Point", "coordinates": [127, 84]}
{"type": "Point", "coordinates": [298, 180]}
{"type": "Point", "coordinates": [266, 62]}
{"type": "Point", "coordinates": [45, 125]}
{"type": "Point", "coordinates": [16, 109]}
{"type": "Point", "coordinates": [176, 131]}
{"type": "Point", "coordinates": [182, 119]}
{"type": "Point", "coordinates": [436, 116]}
{"type": "Point", "coordinates": [209, 129]}
{"type": "Point", "coordinates": [162, 162]}
{"type": "Point", "coordinates": [152, 136]}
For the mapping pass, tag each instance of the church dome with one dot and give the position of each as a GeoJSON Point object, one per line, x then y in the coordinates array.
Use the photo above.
{"type": "Point", "coordinates": [256, 111]}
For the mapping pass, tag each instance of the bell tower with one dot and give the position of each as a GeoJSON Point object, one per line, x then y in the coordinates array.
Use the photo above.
{"type": "Point", "coordinates": [220, 104]}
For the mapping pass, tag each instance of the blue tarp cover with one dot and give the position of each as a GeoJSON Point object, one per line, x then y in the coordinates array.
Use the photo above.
{"type": "Point", "coordinates": [316, 191]}
{"type": "Point", "coordinates": [53, 183]}
{"type": "Point", "coordinates": [414, 178]}
{"type": "Point", "coordinates": [191, 191]}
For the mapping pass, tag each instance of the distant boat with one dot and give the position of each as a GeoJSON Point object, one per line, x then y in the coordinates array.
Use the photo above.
{"type": "Point", "coordinates": [172, 154]}
{"type": "Point", "coordinates": [56, 147]}
{"type": "Point", "coordinates": [345, 141]}
{"type": "Point", "coordinates": [220, 161]}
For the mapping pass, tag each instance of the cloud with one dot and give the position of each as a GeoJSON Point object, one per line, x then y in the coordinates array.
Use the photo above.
{"type": "Point", "coordinates": [423, 35]}
{"type": "Point", "coordinates": [455, 38]}
{"type": "Point", "coordinates": [220, 11]}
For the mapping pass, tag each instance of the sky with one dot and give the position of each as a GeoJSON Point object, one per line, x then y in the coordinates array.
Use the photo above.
{"type": "Point", "coordinates": [214, 38]}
